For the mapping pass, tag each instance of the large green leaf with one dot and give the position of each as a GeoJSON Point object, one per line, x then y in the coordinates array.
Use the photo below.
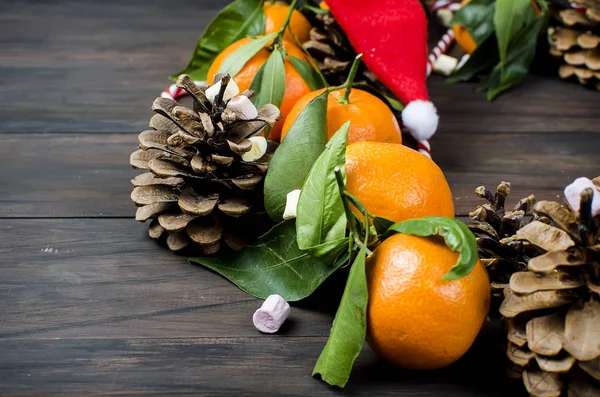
{"type": "Point", "coordinates": [320, 213]}
{"type": "Point", "coordinates": [518, 60]}
{"type": "Point", "coordinates": [237, 59]}
{"type": "Point", "coordinates": [235, 21]}
{"type": "Point", "coordinates": [294, 158]}
{"type": "Point", "coordinates": [509, 18]}
{"type": "Point", "coordinates": [273, 264]}
{"type": "Point", "coordinates": [269, 82]}
{"type": "Point", "coordinates": [308, 73]}
{"type": "Point", "coordinates": [457, 235]}
{"type": "Point", "coordinates": [477, 17]}
{"type": "Point", "coordinates": [349, 329]}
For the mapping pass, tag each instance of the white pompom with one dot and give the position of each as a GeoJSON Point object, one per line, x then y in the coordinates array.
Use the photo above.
{"type": "Point", "coordinates": [421, 119]}
{"type": "Point", "coordinates": [573, 194]}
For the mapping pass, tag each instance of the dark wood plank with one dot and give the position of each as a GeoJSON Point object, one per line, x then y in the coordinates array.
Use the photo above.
{"type": "Point", "coordinates": [92, 66]}
{"type": "Point", "coordinates": [93, 306]}
{"type": "Point", "coordinates": [105, 278]}
{"type": "Point", "coordinates": [66, 175]}
{"type": "Point", "coordinates": [261, 366]}
{"type": "Point", "coordinates": [84, 66]}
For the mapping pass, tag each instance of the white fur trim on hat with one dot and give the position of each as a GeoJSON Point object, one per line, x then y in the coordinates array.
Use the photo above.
{"type": "Point", "coordinates": [421, 119]}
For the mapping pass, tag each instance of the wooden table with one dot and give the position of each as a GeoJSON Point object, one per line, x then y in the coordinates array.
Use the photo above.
{"type": "Point", "coordinates": [90, 305]}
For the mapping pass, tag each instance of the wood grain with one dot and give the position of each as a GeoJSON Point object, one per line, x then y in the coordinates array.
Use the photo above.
{"type": "Point", "coordinates": [98, 307]}
{"type": "Point", "coordinates": [87, 66]}
{"type": "Point", "coordinates": [265, 366]}
{"type": "Point", "coordinates": [84, 66]}
{"type": "Point", "coordinates": [87, 175]}
{"type": "Point", "coordinates": [105, 278]}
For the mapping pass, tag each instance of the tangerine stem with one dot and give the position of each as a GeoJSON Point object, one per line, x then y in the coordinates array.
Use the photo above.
{"type": "Point", "coordinates": [344, 100]}
{"type": "Point", "coordinates": [286, 22]}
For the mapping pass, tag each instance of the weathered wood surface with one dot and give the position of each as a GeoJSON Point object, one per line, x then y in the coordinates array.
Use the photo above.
{"type": "Point", "coordinates": [70, 175]}
{"type": "Point", "coordinates": [94, 307]}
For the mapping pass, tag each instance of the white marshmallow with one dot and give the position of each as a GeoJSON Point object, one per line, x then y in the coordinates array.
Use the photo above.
{"type": "Point", "coordinates": [291, 204]}
{"type": "Point", "coordinates": [445, 65]}
{"type": "Point", "coordinates": [271, 315]}
{"type": "Point", "coordinates": [259, 148]}
{"type": "Point", "coordinates": [573, 194]}
{"type": "Point", "coordinates": [243, 108]}
{"type": "Point", "coordinates": [231, 91]}
{"type": "Point", "coordinates": [445, 17]}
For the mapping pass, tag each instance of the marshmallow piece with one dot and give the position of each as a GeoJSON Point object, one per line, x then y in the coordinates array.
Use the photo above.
{"type": "Point", "coordinates": [231, 91]}
{"type": "Point", "coordinates": [271, 315]}
{"type": "Point", "coordinates": [445, 65]}
{"type": "Point", "coordinates": [243, 108]}
{"type": "Point", "coordinates": [573, 192]}
{"type": "Point", "coordinates": [445, 17]}
{"type": "Point", "coordinates": [462, 61]}
{"type": "Point", "coordinates": [258, 149]}
{"type": "Point", "coordinates": [291, 204]}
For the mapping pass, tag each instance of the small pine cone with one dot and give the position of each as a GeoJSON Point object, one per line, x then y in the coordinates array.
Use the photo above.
{"type": "Point", "coordinates": [206, 167]}
{"type": "Point", "coordinates": [574, 39]}
{"type": "Point", "coordinates": [546, 270]}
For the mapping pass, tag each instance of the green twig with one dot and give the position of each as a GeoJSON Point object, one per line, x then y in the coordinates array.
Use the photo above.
{"type": "Point", "coordinates": [344, 100]}
{"type": "Point", "coordinates": [286, 22]}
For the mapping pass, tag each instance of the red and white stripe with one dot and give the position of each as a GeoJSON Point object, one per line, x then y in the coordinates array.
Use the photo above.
{"type": "Point", "coordinates": [173, 92]}
{"type": "Point", "coordinates": [445, 4]}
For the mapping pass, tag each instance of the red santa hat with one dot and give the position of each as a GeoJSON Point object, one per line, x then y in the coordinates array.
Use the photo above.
{"type": "Point", "coordinates": [392, 36]}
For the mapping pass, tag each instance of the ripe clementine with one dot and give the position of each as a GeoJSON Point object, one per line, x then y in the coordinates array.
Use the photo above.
{"type": "Point", "coordinates": [295, 86]}
{"type": "Point", "coordinates": [370, 118]}
{"type": "Point", "coordinates": [275, 14]}
{"type": "Point", "coordinates": [415, 319]}
{"type": "Point", "coordinates": [395, 182]}
{"type": "Point", "coordinates": [463, 37]}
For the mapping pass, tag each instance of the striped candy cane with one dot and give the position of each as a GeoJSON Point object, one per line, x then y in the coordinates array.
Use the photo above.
{"type": "Point", "coordinates": [440, 48]}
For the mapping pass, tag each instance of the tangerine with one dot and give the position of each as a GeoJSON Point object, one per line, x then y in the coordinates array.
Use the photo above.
{"type": "Point", "coordinates": [396, 182]}
{"type": "Point", "coordinates": [416, 319]}
{"type": "Point", "coordinates": [295, 86]}
{"type": "Point", "coordinates": [370, 118]}
{"type": "Point", "coordinates": [275, 14]}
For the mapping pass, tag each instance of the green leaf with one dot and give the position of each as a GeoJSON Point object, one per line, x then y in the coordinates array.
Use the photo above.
{"type": "Point", "coordinates": [477, 17]}
{"type": "Point", "coordinates": [269, 82]}
{"type": "Point", "coordinates": [457, 235]}
{"type": "Point", "coordinates": [484, 57]}
{"type": "Point", "coordinates": [330, 250]}
{"type": "Point", "coordinates": [296, 154]}
{"type": "Point", "coordinates": [235, 21]}
{"type": "Point", "coordinates": [273, 264]}
{"type": "Point", "coordinates": [320, 212]}
{"type": "Point", "coordinates": [520, 55]}
{"type": "Point", "coordinates": [381, 225]}
{"type": "Point", "coordinates": [509, 18]}
{"type": "Point", "coordinates": [349, 328]}
{"type": "Point", "coordinates": [237, 59]}
{"type": "Point", "coordinates": [308, 73]}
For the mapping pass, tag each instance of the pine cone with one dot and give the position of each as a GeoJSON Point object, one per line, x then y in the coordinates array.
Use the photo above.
{"type": "Point", "coordinates": [575, 39]}
{"type": "Point", "coordinates": [206, 168]}
{"type": "Point", "coordinates": [544, 264]}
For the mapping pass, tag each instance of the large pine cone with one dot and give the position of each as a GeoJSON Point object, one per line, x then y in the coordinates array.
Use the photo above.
{"type": "Point", "coordinates": [206, 168]}
{"type": "Point", "coordinates": [574, 38]}
{"type": "Point", "coordinates": [544, 264]}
